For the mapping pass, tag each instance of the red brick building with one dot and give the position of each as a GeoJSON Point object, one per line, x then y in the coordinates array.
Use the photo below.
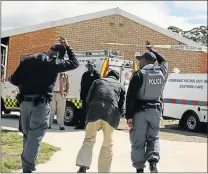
{"type": "Point", "coordinates": [87, 32]}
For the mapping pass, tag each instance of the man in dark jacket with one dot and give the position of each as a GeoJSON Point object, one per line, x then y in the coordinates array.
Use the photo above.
{"type": "Point", "coordinates": [106, 105]}
{"type": "Point", "coordinates": [86, 82]}
{"type": "Point", "coordinates": [36, 76]}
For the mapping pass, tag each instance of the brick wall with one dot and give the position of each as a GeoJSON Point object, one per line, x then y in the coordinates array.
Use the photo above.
{"type": "Point", "coordinates": [29, 43]}
{"type": "Point", "coordinates": [89, 35]}
{"type": "Point", "coordinates": [203, 63]}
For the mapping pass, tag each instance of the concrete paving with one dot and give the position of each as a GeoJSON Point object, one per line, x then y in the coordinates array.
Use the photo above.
{"type": "Point", "coordinates": [175, 156]}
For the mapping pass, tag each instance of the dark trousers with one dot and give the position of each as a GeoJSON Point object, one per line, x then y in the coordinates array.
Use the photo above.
{"type": "Point", "coordinates": [20, 124]}
{"type": "Point", "coordinates": [83, 114]}
{"type": "Point", "coordinates": [34, 124]}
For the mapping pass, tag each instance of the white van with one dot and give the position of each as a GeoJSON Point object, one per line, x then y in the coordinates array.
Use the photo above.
{"type": "Point", "coordinates": [185, 99]}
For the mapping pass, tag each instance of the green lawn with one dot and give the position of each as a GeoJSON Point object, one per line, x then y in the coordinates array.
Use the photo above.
{"type": "Point", "coordinates": [11, 148]}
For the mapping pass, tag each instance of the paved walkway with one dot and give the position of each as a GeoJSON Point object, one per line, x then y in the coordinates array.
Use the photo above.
{"type": "Point", "coordinates": [175, 156]}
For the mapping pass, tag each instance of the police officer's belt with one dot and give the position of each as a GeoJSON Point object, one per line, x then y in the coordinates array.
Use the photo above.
{"type": "Point", "coordinates": [34, 99]}
{"type": "Point", "coordinates": [149, 106]}
{"type": "Point", "coordinates": [153, 106]}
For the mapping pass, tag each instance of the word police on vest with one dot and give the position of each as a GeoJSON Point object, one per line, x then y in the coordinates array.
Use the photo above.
{"type": "Point", "coordinates": [155, 81]}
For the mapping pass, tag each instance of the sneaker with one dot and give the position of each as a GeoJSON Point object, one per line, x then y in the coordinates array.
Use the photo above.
{"type": "Point", "coordinates": [49, 127]}
{"type": "Point", "coordinates": [62, 128]}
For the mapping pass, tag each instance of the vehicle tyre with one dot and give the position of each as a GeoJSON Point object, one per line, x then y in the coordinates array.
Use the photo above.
{"type": "Point", "coordinates": [70, 113]}
{"type": "Point", "coordinates": [191, 122]}
{"type": "Point", "coordinates": [7, 111]}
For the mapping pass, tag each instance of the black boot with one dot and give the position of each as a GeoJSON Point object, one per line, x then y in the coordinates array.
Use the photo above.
{"type": "Point", "coordinates": [140, 171]}
{"type": "Point", "coordinates": [27, 171]}
{"type": "Point", "coordinates": [82, 170]}
{"type": "Point", "coordinates": [80, 126]}
{"type": "Point", "coordinates": [153, 168]}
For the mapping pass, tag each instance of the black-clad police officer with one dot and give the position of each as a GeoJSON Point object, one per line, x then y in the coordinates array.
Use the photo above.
{"type": "Point", "coordinates": [144, 109]}
{"type": "Point", "coordinates": [86, 82]}
{"type": "Point", "coordinates": [36, 76]}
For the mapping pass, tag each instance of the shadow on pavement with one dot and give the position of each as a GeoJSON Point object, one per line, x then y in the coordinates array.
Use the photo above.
{"type": "Point", "coordinates": [174, 129]}
{"type": "Point", "coordinates": [67, 129]}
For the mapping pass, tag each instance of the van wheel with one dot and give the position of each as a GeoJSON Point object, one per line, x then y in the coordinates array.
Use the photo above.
{"type": "Point", "coordinates": [69, 114]}
{"type": "Point", "coordinates": [191, 122]}
{"type": "Point", "coordinates": [7, 111]}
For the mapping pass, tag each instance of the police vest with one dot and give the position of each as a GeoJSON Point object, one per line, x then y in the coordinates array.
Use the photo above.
{"type": "Point", "coordinates": [153, 84]}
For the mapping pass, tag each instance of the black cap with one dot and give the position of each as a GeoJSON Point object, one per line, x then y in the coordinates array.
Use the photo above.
{"type": "Point", "coordinates": [113, 73]}
{"type": "Point", "coordinates": [90, 62]}
{"type": "Point", "coordinates": [148, 56]}
{"type": "Point", "coordinates": [59, 48]}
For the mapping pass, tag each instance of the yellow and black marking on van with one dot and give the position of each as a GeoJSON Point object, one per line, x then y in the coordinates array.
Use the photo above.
{"type": "Point", "coordinates": [10, 103]}
{"type": "Point", "coordinates": [77, 102]}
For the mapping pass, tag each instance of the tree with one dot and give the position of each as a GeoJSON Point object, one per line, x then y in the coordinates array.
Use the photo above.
{"type": "Point", "coordinates": [198, 34]}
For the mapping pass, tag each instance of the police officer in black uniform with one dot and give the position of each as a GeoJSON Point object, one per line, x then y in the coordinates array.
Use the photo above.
{"type": "Point", "coordinates": [35, 77]}
{"type": "Point", "coordinates": [86, 82]}
{"type": "Point", "coordinates": [144, 109]}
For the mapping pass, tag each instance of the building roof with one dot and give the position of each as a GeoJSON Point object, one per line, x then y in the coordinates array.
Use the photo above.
{"type": "Point", "coordinates": [114, 11]}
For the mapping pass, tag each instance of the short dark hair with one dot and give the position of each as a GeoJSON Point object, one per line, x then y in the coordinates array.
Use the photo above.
{"type": "Point", "coordinates": [113, 73]}
{"type": "Point", "coordinates": [59, 48]}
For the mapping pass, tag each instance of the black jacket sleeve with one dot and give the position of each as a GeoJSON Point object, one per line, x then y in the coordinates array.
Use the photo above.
{"type": "Point", "coordinates": [121, 103]}
{"type": "Point", "coordinates": [162, 62]}
{"type": "Point", "coordinates": [82, 87]}
{"type": "Point", "coordinates": [97, 75]}
{"type": "Point", "coordinates": [134, 86]}
{"type": "Point", "coordinates": [66, 65]}
{"type": "Point", "coordinates": [16, 77]}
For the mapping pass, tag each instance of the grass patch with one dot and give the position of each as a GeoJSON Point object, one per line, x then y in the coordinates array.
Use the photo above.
{"type": "Point", "coordinates": [11, 149]}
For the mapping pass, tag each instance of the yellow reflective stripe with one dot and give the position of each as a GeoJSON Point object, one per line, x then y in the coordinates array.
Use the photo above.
{"type": "Point", "coordinates": [103, 70]}
{"type": "Point", "coordinates": [136, 66]}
